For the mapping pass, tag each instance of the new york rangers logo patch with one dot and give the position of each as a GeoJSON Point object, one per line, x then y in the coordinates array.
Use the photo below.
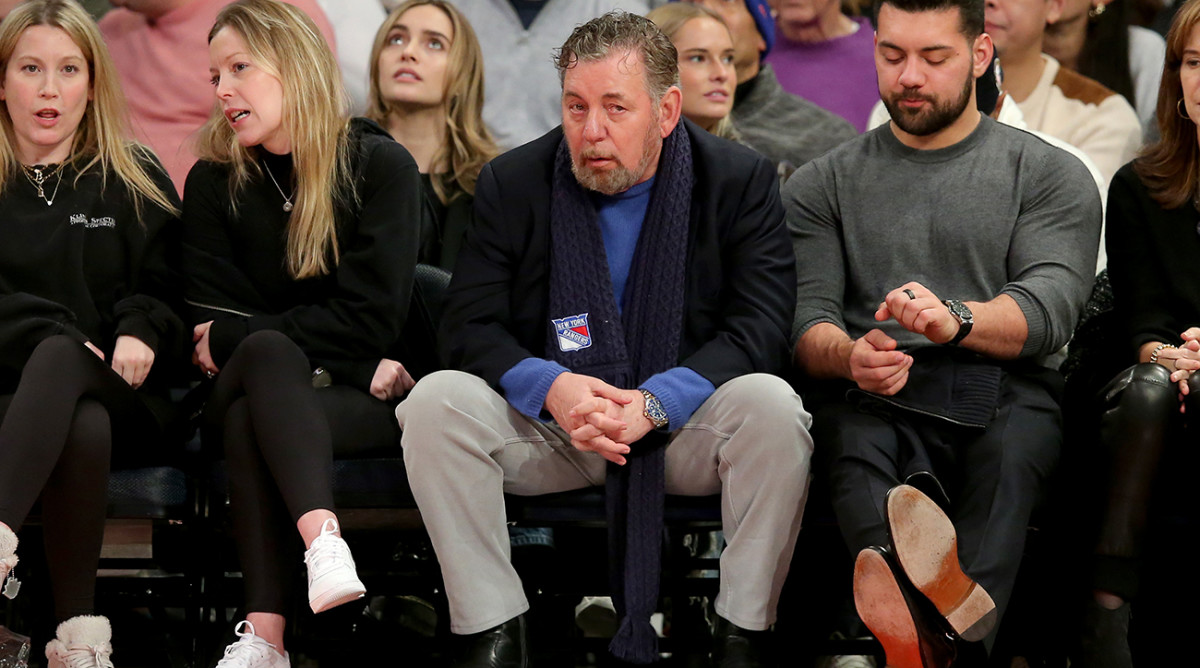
{"type": "Point", "coordinates": [573, 332]}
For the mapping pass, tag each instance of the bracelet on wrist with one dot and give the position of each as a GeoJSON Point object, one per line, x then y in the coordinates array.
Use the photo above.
{"type": "Point", "coordinates": [1158, 349]}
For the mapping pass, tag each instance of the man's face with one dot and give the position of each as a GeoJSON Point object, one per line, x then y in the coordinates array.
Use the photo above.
{"type": "Point", "coordinates": [613, 127]}
{"type": "Point", "coordinates": [1017, 26]}
{"type": "Point", "coordinates": [748, 43]}
{"type": "Point", "coordinates": [926, 68]}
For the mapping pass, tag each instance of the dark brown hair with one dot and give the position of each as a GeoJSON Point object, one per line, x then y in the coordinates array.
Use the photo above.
{"type": "Point", "coordinates": [1170, 167]}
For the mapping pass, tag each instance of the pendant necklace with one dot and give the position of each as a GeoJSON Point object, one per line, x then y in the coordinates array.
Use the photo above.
{"type": "Point", "coordinates": [287, 200]}
{"type": "Point", "coordinates": [37, 177]}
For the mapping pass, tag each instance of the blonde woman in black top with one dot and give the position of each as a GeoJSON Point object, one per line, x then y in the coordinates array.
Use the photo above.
{"type": "Point", "coordinates": [300, 245]}
{"type": "Point", "coordinates": [86, 333]}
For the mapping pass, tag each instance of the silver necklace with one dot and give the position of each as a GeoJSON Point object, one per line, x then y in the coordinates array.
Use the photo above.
{"type": "Point", "coordinates": [38, 178]}
{"type": "Point", "coordinates": [287, 199]}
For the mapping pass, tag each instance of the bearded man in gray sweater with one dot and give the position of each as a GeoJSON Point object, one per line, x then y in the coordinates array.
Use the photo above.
{"type": "Point", "coordinates": [941, 258]}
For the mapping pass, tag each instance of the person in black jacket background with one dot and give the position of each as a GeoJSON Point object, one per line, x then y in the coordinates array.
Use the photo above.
{"type": "Point", "coordinates": [300, 245]}
{"type": "Point", "coordinates": [86, 329]}
{"type": "Point", "coordinates": [621, 301]}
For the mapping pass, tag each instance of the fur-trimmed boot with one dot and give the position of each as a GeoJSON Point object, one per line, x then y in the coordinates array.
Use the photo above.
{"type": "Point", "coordinates": [8, 553]}
{"type": "Point", "coordinates": [82, 642]}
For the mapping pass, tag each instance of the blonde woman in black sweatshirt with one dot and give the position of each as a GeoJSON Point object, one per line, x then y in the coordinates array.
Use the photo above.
{"type": "Point", "coordinates": [300, 246]}
{"type": "Point", "coordinates": [85, 327]}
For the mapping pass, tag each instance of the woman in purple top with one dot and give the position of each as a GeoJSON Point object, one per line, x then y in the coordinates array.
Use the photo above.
{"type": "Point", "coordinates": [826, 57]}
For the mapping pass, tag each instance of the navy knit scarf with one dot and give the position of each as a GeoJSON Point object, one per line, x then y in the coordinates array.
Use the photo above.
{"type": "Point", "coordinates": [588, 335]}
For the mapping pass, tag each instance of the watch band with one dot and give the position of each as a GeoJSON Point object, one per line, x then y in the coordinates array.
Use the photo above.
{"type": "Point", "coordinates": [966, 320]}
{"type": "Point", "coordinates": [654, 411]}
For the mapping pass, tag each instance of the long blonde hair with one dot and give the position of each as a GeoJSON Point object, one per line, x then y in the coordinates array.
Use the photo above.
{"type": "Point", "coordinates": [286, 43]}
{"type": "Point", "coordinates": [102, 137]}
{"type": "Point", "coordinates": [467, 145]}
{"type": "Point", "coordinates": [670, 18]}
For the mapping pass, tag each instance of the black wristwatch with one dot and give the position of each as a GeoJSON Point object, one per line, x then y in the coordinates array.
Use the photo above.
{"type": "Point", "coordinates": [655, 412]}
{"type": "Point", "coordinates": [964, 317]}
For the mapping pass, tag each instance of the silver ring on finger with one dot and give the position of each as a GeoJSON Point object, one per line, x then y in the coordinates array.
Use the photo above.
{"type": "Point", "coordinates": [910, 293]}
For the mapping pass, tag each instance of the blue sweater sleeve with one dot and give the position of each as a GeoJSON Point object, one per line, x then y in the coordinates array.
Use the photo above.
{"type": "Point", "coordinates": [527, 383]}
{"type": "Point", "coordinates": [681, 392]}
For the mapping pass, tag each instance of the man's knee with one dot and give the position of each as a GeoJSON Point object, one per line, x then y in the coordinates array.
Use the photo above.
{"type": "Point", "coordinates": [769, 406]}
{"type": "Point", "coordinates": [437, 403]}
{"type": "Point", "coordinates": [764, 399]}
{"type": "Point", "coordinates": [440, 394]}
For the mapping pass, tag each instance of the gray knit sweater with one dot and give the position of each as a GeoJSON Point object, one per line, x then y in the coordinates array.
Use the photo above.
{"type": "Point", "coordinates": [1000, 212]}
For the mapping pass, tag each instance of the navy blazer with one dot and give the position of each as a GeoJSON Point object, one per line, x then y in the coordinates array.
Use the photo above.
{"type": "Point", "coordinates": [740, 289]}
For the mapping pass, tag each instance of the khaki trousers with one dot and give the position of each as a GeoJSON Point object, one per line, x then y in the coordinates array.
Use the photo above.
{"type": "Point", "coordinates": [465, 447]}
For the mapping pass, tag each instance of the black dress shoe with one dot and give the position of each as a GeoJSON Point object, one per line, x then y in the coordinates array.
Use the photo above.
{"type": "Point", "coordinates": [912, 635]}
{"type": "Point", "coordinates": [500, 647]}
{"type": "Point", "coordinates": [735, 647]}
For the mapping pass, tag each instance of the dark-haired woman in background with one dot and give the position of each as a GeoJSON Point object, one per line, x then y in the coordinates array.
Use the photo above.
{"type": "Point", "coordinates": [1151, 410]}
{"type": "Point", "coordinates": [1096, 39]}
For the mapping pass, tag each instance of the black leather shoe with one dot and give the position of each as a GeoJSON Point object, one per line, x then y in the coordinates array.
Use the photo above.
{"type": "Point", "coordinates": [735, 647]}
{"type": "Point", "coordinates": [911, 635]}
{"type": "Point", "coordinates": [500, 647]}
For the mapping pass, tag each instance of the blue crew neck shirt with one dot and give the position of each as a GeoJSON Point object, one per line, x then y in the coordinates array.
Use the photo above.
{"type": "Point", "coordinates": [680, 389]}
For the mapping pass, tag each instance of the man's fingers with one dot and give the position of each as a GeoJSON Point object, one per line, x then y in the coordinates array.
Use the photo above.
{"type": "Point", "coordinates": [893, 383]}
{"type": "Point", "coordinates": [590, 405]}
{"type": "Point", "coordinates": [611, 393]}
{"type": "Point", "coordinates": [585, 433]}
{"type": "Point", "coordinates": [603, 446]}
{"type": "Point", "coordinates": [879, 340]}
{"type": "Point", "coordinates": [603, 422]}
{"type": "Point", "coordinates": [883, 312]}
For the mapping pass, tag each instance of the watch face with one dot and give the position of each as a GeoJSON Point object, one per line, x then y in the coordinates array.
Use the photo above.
{"type": "Point", "coordinates": [958, 310]}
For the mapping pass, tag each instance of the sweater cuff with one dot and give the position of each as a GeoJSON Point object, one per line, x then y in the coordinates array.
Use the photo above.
{"type": "Point", "coordinates": [681, 392]}
{"type": "Point", "coordinates": [224, 335]}
{"type": "Point", "coordinates": [1036, 324]}
{"type": "Point", "coordinates": [527, 384]}
{"type": "Point", "coordinates": [139, 327]}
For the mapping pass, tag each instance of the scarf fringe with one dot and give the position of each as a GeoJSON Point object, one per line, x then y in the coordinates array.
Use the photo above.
{"type": "Point", "coordinates": [635, 642]}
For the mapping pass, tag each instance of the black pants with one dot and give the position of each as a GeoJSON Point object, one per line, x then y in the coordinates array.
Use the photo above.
{"type": "Point", "coordinates": [1140, 418]}
{"type": "Point", "coordinates": [280, 435]}
{"type": "Point", "coordinates": [992, 477]}
{"type": "Point", "coordinates": [56, 443]}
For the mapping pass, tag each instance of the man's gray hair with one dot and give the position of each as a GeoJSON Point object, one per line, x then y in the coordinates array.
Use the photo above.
{"type": "Point", "coordinates": [620, 32]}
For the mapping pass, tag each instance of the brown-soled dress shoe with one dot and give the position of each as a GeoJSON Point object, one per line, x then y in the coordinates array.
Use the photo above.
{"type": "Point", "coordinates": [909, 637]}
{"type": "Point", "coordinates": [926, 547]}
{"type": "Point", "coordinates": [500, 647]}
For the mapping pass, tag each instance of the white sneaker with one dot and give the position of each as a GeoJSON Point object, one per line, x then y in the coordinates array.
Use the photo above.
{"type": "Point", "coordinates": [8, 553]}
{"type": "Point", "coordinates": [332, 579]}
{"type": "Point", "coordinates": [250, 651]}
{"type": "Point", "coordinates": [82, 642]}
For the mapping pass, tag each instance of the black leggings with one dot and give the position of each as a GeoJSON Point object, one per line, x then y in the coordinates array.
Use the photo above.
{"type": "Point", "coordinates": [56, 443]}
{"type": "Point", "coordinates": [280, 436]}
{"type": "Point", "coordinates": [1141, 417]}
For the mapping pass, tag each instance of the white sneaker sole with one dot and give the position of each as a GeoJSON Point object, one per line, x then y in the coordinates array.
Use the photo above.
{"type": "Point", "coordinates": [338, 595]}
